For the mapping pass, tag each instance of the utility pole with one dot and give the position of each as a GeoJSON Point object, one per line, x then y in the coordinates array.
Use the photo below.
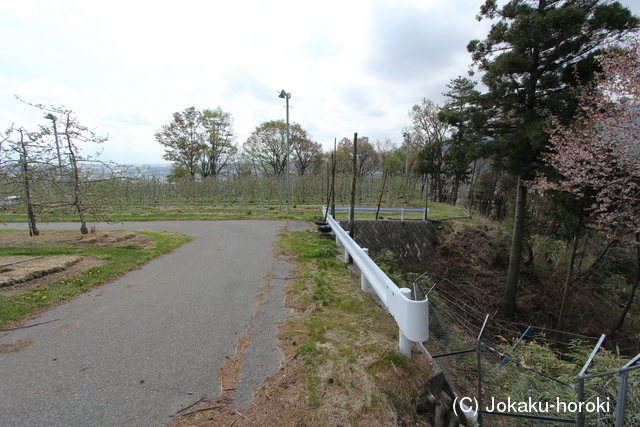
{"type": "Point", "coordinates": [287, 96]}
{"type": "Point", "coordinates": [406, 167]}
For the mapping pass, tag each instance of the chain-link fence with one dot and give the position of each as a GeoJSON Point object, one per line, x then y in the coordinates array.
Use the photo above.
{"type": "Point", "coordinates": [529, 373]}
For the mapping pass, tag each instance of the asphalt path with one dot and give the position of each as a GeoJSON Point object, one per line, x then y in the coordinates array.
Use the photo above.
{"type": "Point", "coordinates": [138, 350]}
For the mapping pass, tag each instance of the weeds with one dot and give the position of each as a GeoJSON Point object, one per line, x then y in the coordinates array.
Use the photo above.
{"type": "Point", "coordinates": [347, 342]}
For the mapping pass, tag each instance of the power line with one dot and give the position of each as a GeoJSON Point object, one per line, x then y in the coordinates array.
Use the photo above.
{"type": "Point", "coordinates": [161, 123]}
{"type": "Point", "coordinates": [326, 121]}
{"type": "Point", "coordinates": [257, 111]}
{"type": "Point", "coordinates": [129, 124]}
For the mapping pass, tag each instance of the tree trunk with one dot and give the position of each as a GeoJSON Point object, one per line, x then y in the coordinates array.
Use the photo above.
{"type": "Point", "coordinates": [352, 211]}
{"type": "Point", "coordinates": [454, 190]}
{"type": "Point", "coordinates": [569, 281]}
{"type": "Point", "coordinates": [326, 212]}
{"type": "Point", "coordinates": [333, 184]}
{"type": "Point", "coordinates": [77, 200]}
{"type": "Point", "coordinates": [472, 185]}
{"type": "Point", "coordinates": [384, 181]}
{"type": "Point", "coordinates": [31, 216]}
{"type": "Point", "coordinates": [632, 293]}
{"type": "Point", "coordinates": [508, 303]}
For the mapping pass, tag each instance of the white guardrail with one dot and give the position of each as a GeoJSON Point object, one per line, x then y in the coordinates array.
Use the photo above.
{"type": "Point", "coordinates": [411, 316]}
{"type": "Point", "coordinates": [384, 210]}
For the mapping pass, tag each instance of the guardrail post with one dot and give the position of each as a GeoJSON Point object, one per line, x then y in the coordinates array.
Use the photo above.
{"type": "Point", "coordinates": [404, 342]}
{"type": "Point", "coordinates": [364, 283]}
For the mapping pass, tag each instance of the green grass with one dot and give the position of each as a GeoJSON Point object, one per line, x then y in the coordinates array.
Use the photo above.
{"type": "Point", "coordinates": [437, 210]}
{"type": "Point", "coordinates": [118, 260]}
{"type": "Point", "coordinates": [348, 344]}
{"type": "Point", "coordinates": [241, 211]}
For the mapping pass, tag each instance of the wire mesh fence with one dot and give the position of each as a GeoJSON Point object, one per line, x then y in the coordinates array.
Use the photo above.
{"type": "Point", "coordinates": [530, 375]}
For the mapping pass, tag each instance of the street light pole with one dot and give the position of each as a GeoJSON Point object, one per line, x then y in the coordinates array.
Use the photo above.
{"type": "Point", "coordinates": [55, 132]}
{"type": "Point", "coordinates": [287, 96]}
{"type": "Point", "coordinates": [406, 167]}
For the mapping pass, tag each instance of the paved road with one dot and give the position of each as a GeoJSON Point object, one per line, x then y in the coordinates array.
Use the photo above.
{"type": "Point", "coordinates": [137, 350]}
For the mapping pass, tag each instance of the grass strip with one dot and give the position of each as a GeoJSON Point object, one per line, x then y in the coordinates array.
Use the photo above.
{"type": "Point", "coordinates": [353, 371]}
{"type": "Point", "coordinates": [118, 260]}
{"type": "Point", "coordinates": [303, 213]}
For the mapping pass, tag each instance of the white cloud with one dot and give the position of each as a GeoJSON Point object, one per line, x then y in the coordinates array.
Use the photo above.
{"type": "Point", "coordinates": [126, 66]}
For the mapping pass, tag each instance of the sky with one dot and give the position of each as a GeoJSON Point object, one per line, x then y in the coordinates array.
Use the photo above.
{"type": "Point", "coordinates": [124, 67]}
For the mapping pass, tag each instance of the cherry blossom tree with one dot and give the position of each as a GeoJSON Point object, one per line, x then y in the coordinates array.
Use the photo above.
{"type": "Point", "coordinates": [599, 154]}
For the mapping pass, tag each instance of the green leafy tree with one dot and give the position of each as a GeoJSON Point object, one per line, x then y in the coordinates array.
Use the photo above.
{"type": "Point", "coordinates": [266, 147]}
{"type": "Point", "coordinates": [530, 59]}
{"type": "Point", "coordinates": [462, 113]}
{"type": "Point", "coordinates": [304, 152]}
{"type": "Point", "coordinates": [218, 137]}
{"type": "Point", "coordinates": [184, 140]}
{"type": "Point", "coordinates": [367, 157]}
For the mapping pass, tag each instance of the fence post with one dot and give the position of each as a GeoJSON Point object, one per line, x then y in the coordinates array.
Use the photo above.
{"type": "Point", "coordinates": [622, 398]}
{"type": "Point", "coordinates": [479, 360]}
{"type": "Point", "coordinates": [580, 420]}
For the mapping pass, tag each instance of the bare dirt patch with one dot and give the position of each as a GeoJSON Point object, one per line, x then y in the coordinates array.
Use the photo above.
{"type": "Point", "coordinates": [101, 239]}
{"type": "Point", "coordinates": [15, 347]}
{"type": "Point", "coordinates": [39, 272]}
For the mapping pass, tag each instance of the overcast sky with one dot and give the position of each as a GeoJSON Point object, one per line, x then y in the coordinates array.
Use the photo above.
{"type": "Point", "coordinates": [126, 66]}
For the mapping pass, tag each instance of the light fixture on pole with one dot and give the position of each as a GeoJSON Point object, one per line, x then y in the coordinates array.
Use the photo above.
{"type": "Point", "coordinates": [287, 96]}
{"type": "Point", "coordinates": [55, 132]}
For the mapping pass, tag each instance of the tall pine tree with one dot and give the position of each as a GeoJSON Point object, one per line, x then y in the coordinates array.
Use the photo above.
{"type": "Point", "coordinates": [530, 60]}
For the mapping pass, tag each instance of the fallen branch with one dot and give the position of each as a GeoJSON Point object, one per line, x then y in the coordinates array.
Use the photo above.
{"type": "Point", "coordinates": [200, 409]}
{"type": "Point", "coordinates": [193, 404]}
{"type": "Point", "coordinates": [24, 260]}
{"type": "Point", "coordinates": [28, 326]}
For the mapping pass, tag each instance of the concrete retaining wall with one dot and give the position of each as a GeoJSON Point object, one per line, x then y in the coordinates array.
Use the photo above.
{"type": "Point", "coordinates": [410, 241]}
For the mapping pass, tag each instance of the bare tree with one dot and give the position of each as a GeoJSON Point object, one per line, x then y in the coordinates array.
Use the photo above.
{"type": "Point", "coordinates": [18, 173]}
{"type": "Point", "coordinates": [431, 135]}
{"type": "Point", "coordinates": [76, 185]}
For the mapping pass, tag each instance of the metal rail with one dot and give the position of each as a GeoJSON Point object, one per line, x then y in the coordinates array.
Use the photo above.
{"type": "Point", "coordinates": [383, 209]}
{"type": "Point", "coordinates": [411, 316]}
